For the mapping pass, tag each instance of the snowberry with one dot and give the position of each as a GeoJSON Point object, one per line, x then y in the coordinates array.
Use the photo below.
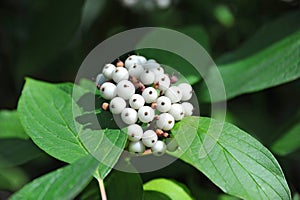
{"type": "Point", "coordinates": [100, 79]}
{"type": "Point", "coordinates": [163, 104]}
{"type": "Point", "coordinates": [117, 105]}
{"type": "Point", "coordinates": [108, 70]}
{"type": "Point", "coordinates": [147, 77]}
{"type": "Point", "coordinates": [151, 65]}
{"type": "Point", "coordinates": [174, 93]}
{"type": "Point", "coordinates": [146, 114]}
{"type": "Point", "coordinates": [157, 70]}
{"type": "Point", "coordinates": [131, 60]}
{"type": "Point", "coordinates": [163, 81]}
{"type": "Point", "coordinates": [125, 89]}
{"type": "Point", "coordinates": [151, 61]}
{"type": "Point", "coordinates": [134, 132]}
{"type": "Point", "coordinates": [171, 144]}
{"type": "Point", "coordinates": [149, 138]}
{"type": "Point", "coordinates": [108, 90]}
{"type": "Point", "coordinates": [129, 116]}
{"type": "Point", "coordinates": [165, 121]}
{"type": "Point", "coordinates": [136, 147]}
{"type": "Point", "coordinates": [177, 111]}
{"type": "Point", "coordinates": [150, 94]}
{"type": "Point", "coordinates": [159, 148]}
{"type": "Point", "coordinates": [141, 59]}
{"type": "Point", "coordinates": [186, 90]}
{"type": "Point", "coordinates": [188, 108]}
{"type": "Point", "coordinates": [136, 101]}
{"type": "Point", "coordinates": [119, 74]}
{"type": "Point", "coordinates": [136, 70]}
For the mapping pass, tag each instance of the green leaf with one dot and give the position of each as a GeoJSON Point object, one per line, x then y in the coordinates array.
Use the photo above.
{"type": "Point", "coordinates": [230, 158]}
{"type": "Point", "coordinates": [64, 183]}
{"type": "Point", "coordinates": [154, 195]}
{"type": "Point", "coordinates": [46, 113]}
{"type": "Point", "coordinates": [275, 65]}
{"type": "Point", "coordinates": [170, 188]}
{"type": "Point", "coordinates": [120, 185]}
{"type": "Point", "coordinates": [16, 151]}
{"type": "Point", "coordinates": [10, 125]}
{"type": "Point", "coordinates": [289, 142]}
{"type": "Point", "coordinates": [12, 178]}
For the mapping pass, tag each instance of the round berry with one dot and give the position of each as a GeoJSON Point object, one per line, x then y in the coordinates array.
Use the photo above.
{"type": "Point", "coordinates": [150, 94]}
{"type": "Point", "coordinates": [108, 90]}
{"type": "Point", "coordinates": [141, 59]}
{"type": "Point", "coordinates": [174, 93]}
{"type": "Point", "coordinates": [165, 121]}
{"type": "Point", "coordinates": [151, 65]}
{"type": "Point", "coordinates": [134, 132]}
{"type": "Point", "coordinates": [125, 89]}
{"type": "Point", "coordinates": [131, 60]}
{"type": "Point", "coordinates": [136, 101]}
{"type": "Point", "coordinates": [163, 104]}
{"type": "Point", "coordinates": [157, 70]}
{"type": "Point", "coordinates": [136, 70]}
{"type": "Point", "coordinates": [188, 108]}
{"type": "Point", "coordinates": [186, 90]}
{"type": "Point", "coordinates": [129, 116]}
{"type": "Point", "coordinates": [149, 138]}
{"type": "Point", "coordinates": [177, 111]}
{"type": "Point", "coordinates": [151, 61]}
{"type": "Point", "coordinates": [119, 74]}
{"type": "Point", "coordinates": [159, 148]}
{"type": "Point", "coordinates": [117, 105]}
{"type": "Point", "coordinates": [147, 77]}
{"type": "Point", "coordinates": [171, 144]}
{"type": "Point", "coordinates": [108, 70]}
{"type": "Point", "coordinates": [146, 114]}
{"type": "Point", "coordinates": [136, 147]}
{"type": "Point", "coordinates": [100, 79]}
{"type": "Point", "coordinates": [163, 81]}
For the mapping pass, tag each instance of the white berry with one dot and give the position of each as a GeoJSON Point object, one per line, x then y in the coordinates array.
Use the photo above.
{"type": "Point", "coordinates": [136, 101]}
{"type": "Point", "coordinates": [134, 132]}
{"type": "Point", "coordinates": [136, 70]}
{"type": "Point", "coordinates": [147, 77]}
{"type": "Point", "coordinates": [125, 89]}
{"type": "Point", "coordinates": [108, 90]}
{"type": "Point", "coordinates": [171, 144]}
{"type": "Point", "coordinates": [117, 105]}
{"type": "Point", "coordinates": [149, 138]}
{"type": "Point", "coordinates": [186, 90]}
{"type": "Point", "coordinates": [174, 93]}
{"type": "Point", "coordinates": [136, 147]}
{"type": "Point", "coordinates": [119, 74]}
{"type": "Point", "coordinates": [157, 70]}
{"type": "Point", "coordinates": [131, 60]}
{"type": "Point", "coordinates": [163, 81]}
{"type": "Point", "coordinates": [165, 121]}
{"type": "Point", "coordinates": [142, 59]}
{"type": "Point", "coordinates": [151, 65]}
{"type": "Point", "coordinates": [150, 94]}
{"type": "Point", "coordinates": [108, 70]}
{"type": "Point", "coordinates": [146, 114]}
{"type": "Point", "coordinates": [177, 111]}
{"type": "Point", "coordinates": [129, 116]}
{"type": "Point", "coordinates": [188, 108]}
{"type": "Point", "coordinates": [159, 148]}
{"type": "Point", "coordinates": [163, 104]}
{"type": "Point", "coordinates": [100, 79]}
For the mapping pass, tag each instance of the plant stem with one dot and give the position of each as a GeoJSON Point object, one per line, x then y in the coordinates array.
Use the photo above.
{"type": "Point", "coordinates": [102, 189]}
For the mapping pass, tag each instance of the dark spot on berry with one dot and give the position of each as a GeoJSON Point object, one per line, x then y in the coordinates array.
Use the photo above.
{"type": "Point", "coordinates": [158, 68]}
{"type": "Point", "coordinates": [181, 113]}
{"type": "Point", "coordinates": [112, 106]}
{"type": "Point", "coordinates": [150, 92]}
{"type": "Point", "coordinates": [106, 67]}
{"type": "Point", "coordinates": [132, 135]}
{"type": "Point", "coordinates": [163, 79]}
{"type": "Point", "coordinates": [125, 86]}
{"type": "Point", "coordinates": [153, 141]}
{"type": "Point", "coordinates": [162, 103]}
{"type": "Point", "coordinates": [103, 89]}
{"type": "Point", "coordinates": [134, 100]}
{"type": "Point", "coordinates": [147, 71]}
{"type": "Point", "coordinates": [117, 70]}
{"type": "Point", "coordinates": [146, 113]}
{"type": "Point", "coordinates": [158, 153]}
{"type": "Point", "coordinates": [178, 92]}
{"type": "Point", "coordinates": [129, 58]}
{"type": "Point", "coordinates": [126, 114]}
{"type": "Point", "coordinates": [170, 122]}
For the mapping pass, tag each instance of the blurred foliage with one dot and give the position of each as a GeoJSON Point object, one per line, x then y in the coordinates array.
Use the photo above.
{"type": "Point", "coordinates": [49, 39]}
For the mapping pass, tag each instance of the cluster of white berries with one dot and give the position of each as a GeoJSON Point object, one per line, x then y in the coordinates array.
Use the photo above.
{"type": "Point", "coordinates": [148, 5]}
{"type": "Point", "coordinates": [148, 101]}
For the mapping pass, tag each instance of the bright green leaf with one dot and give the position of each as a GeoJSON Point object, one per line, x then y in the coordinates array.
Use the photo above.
{"type": "Point", "coordinates": [168, 187]}
{"type": "Point", "coordinates": [64, 183]}
{"type": "Point", "coordinates": [46, 113]}
{"type": "Point", "coordinates": [230, 158]}
{"type": "Point", "coordinates": [16, 151]}
{"type": "Point", "coordinates": [10, 125]}
{"type": "Point", "coordinates": [289, 142]}
{"type": "Point", "coordinates": [275, 65]}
